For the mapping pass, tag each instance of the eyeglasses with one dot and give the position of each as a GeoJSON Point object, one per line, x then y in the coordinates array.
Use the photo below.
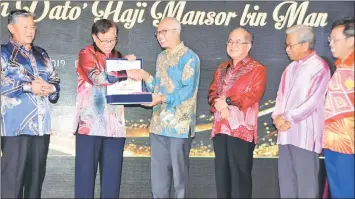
{"type": "Point", "coordinates": [162, 32]}
{"type": "Point", "coordinates": [335, 40]}
{"type": "Point", "coordinates": [290, 45]}
{"type": "Point", "coordinates": [231, 42]}
{"type": "Point", "coordinates": [114, 41]}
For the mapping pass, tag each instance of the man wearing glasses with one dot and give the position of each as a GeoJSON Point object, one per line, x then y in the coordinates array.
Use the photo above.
{"type": "Point", "coordinates": [299, 115]}
{"type": "Point", "coordinates": [29, 83]}
{"type": "Point", "coordinates": [173, 122]}
{"type": "Point", "coordinates": [101, 133]}
{"type": "Point", "coordinates": [339, 112]}
{"type": "Point", "coordinates": [234, 96]}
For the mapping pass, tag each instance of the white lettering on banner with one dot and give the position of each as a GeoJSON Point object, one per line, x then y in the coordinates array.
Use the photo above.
{"type": "Point", "coordinates": [128, 17]}
{"type": "Point", "coordinates": [4, 8]}
{"type": "Point", "coordinates": [60, 12]}
{"type": "Point", "coordinates": [293, 13]}
{"type": "Point", "coordinates": [191, 17]}
{"type": "Point", "coordinates": [59, 63]}
{"type": "Point", "coordinates": [253, 18]}
{"type": "Point", "coordinates": [285, 14]}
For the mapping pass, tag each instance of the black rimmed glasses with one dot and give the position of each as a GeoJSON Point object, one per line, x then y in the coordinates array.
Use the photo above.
{"type": "Point", "coordinates": [286, 45]}
{"type": "Point", "coordinates": [113, 41]}
{"type": "Point", "coordinates": [163, 32]}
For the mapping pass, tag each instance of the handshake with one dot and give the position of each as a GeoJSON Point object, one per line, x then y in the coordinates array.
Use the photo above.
{"type": "Point", "coordinates": [137, 74]}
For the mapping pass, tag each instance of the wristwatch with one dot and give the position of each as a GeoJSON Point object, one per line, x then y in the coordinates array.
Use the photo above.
{"type": "Point", "coordinates": [228, 101]}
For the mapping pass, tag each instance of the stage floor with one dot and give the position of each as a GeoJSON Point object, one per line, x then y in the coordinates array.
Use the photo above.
{"type": "Point", "coordinates": [59, 181]}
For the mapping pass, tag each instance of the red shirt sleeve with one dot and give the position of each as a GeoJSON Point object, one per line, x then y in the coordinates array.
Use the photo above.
{"type": "Point", "coordinates": [212, 92]}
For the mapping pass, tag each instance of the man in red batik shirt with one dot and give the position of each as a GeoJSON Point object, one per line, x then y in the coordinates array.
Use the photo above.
{"type": "Point", "coordinates": [234, 96]}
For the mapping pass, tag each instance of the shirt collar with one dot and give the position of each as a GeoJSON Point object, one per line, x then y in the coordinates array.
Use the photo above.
{"type": "Point", "coordinates": [21, 46]}
{"type": "Point", "coordinates": [176, 49]}
{"type": "Point", "coordinates": [301, 61]}
{"type": "Point", "coordinates": [240, 63]}
{"type": "Point", "coordinates": [349, 61]}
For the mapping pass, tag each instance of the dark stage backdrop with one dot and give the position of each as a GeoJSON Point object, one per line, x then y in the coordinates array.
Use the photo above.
{"type": "Point", "coordinates": [64, 29]}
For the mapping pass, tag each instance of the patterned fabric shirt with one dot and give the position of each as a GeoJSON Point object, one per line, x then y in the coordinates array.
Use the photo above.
{"type": "Point", "coordinates": [177, 77]}
{"type": "Point", "coordinates": [94, 116]}
{"type": "Point", "coordinates": [22, 112]}
{"type": "Point", "coordinates": [300, 100]}
{"type": "Point", "coordinates": [339, 109]}
{"type": "Point", "coordinates": [244, 84]}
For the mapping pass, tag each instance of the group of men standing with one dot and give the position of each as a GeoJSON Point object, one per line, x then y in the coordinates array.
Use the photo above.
{"type": "Point", "coordinates": [313, 111]}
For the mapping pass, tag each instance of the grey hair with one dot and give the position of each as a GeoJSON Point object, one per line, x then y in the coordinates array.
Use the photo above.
{"type": "Point", "coordinates": [14, 14]}
{"type": "Point", "coordinates": [306, 34]}
{"type": "Point", "coordinates": [175, 22]}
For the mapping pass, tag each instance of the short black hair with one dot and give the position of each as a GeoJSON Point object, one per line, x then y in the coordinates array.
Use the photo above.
{"type": "Point", "coordinates": [348, 24]}
{"type": "Point", "coordinates": [102, 26]}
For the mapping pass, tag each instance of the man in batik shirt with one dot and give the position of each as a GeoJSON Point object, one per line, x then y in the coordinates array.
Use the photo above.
{"type": "Point", "coordinates": [299, 115]}
{"type": "Point", "coordinates": [101, 133]}
{"type": "Point", "coordinates": [172, 126]}
{"type": "Point", "coordinates": [29, 83]}
{"type": "Point", "coordinates": [339, 112]}
{"type": "Point", "coordinates": [234, 96]}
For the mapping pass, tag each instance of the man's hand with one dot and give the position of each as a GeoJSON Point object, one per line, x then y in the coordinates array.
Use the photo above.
{"type": "Point", "coordinates": [285, 126]}
{"type": "Point", "coordinates": [225, 113]}
{"type": "Point", "coordinates": [220, 104]}
{"type": "Point", "coordinates": [131, 57]}
{"type": "Point", "coordinates": [134, 74]}
{"type": "Point", "coordinates": [281, 124]}
{"type": "Point", "coordinates": [41, 87]}
{"type": "Point", "coordinates": [156, 100]}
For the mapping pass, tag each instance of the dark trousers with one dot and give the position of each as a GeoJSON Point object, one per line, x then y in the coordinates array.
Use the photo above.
{"type": "Point", "coordinates": [233, 166]}
{"type": "Point", "coordinates": [92, 151]}
{"type": "Point", "coordinates": [23, 165]}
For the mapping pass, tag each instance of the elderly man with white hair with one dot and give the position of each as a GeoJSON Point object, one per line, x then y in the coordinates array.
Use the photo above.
{"type": "Point", "coordinates": [299, 115]}
{"type": "Point", "coordinates": [173, 122]}
{"type": "Point", "coordinates": [29, 84]}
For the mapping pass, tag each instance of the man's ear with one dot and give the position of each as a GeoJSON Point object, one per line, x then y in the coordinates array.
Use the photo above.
{"type": "Point", "coordinates": [11, 28]}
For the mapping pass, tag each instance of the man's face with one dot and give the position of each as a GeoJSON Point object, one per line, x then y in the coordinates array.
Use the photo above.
{"type": "Point", "coordinates": [106, 41]}
{"type": "Point", "coordinates": [294, 49]}
{"type": "Point", "coordinates": [23, 30]}
{"type": "Point", "coordinates": [166, 34]}
{"type": "Point", "coordinates": [237, 45]}
{"type": "Point", "coordinates": [339, 44]}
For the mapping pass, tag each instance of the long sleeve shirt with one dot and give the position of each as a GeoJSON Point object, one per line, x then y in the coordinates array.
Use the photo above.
{"type": "Point", "coordinates": [244, 84]}
{"type": "Point", "coordinates": [339, 108]}
{"type": "Point", "coordinates": [94, 116]}
{"type": "Point", "coordinates": [177, 77]}
{"type": "Point", "coordinates": [300, 100]}
{"type": "Point", "coordinates": [23, 112]}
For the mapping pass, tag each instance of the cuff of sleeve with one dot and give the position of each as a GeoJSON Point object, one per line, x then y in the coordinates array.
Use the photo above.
{"type": "Point", "coordinates": [287, 117]}
{"type": "Point", "coordinates": [121, 75]}
{"type": "Point", "coordinates": [54, 88]}
{"type": "Point", "coordinates": [27, 87]}
{"type": "Point", "coordinates": [167, 99]}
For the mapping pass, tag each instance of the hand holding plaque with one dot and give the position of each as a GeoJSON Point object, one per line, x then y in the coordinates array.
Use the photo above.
{"type": "Point", "coordinates": [128, 91]}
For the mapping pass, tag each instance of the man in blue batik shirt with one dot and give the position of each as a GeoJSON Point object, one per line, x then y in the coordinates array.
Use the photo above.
{"type": "Point", "coordinates": [29, 83]}
{"type": "Point", "coordinates": [172, 126]}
